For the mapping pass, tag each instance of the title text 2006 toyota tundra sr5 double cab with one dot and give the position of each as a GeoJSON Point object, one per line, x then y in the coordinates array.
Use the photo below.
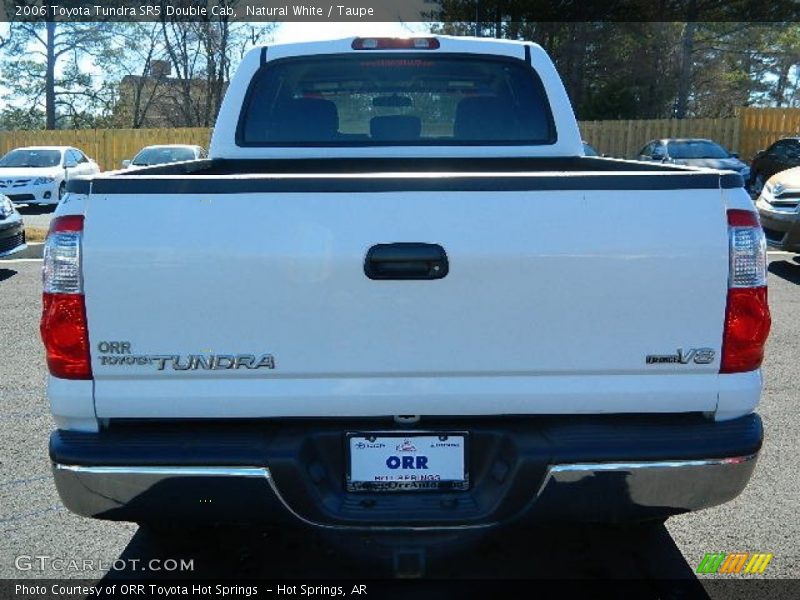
{"type": "Point", "coordinates": [397, 297]}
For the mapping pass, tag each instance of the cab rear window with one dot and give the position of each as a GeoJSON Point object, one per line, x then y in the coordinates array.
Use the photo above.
{"type": "Point", "coordinates": [396, 100]}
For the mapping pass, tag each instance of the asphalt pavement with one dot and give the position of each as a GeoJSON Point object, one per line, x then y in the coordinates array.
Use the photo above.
{"type": "Point", "coordinates": [33, 521]}
{"type": "Point", "coordinates": [36, 216]}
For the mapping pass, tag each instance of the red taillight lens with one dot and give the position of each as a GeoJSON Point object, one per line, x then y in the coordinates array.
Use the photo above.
{"type": "Point", "coordinates": [747, 324]}
{"type": "Point", "coordinates": [747, 318]}
{"type": "Point", "coordinates": [65, 334]}
{"type": "Point", "coordinates": [395, 44]}
{"type": "Point", "coordinates": [742, 218]}
{"type": "Point", "coordinates": [72, 223]}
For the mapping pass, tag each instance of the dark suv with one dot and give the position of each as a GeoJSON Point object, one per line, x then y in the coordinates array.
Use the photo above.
{"type": "Point", "coordinates": [783, 154]}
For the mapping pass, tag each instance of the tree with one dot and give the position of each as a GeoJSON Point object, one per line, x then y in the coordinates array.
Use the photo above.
{"type": "Point", "coordinates": [656, 68]}
{"type": "Point", "coordinates": [134, 85]}
{"type": "Point", "coordinates": [201, 54]}
{"type": "Point", "coordinates": [53, 74]}
{"type": "Point", "coordinates": [167, 73]}
{"type": "Point", "coordinates": [685, 69]}
{"type": "Point", "coordinates": [784, 58]}
{"type": "Point", "coordinates": [611, 70]}
{"type": "Point", "coordinates": [13, 118]}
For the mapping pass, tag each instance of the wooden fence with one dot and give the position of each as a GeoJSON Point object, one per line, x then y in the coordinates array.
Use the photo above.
{"type": "Point", "coordinates": [751, 130]}
{"type": "Point", "coordinates": [762, 126]}
{"type": "Point", "coordinates": [625, 138]}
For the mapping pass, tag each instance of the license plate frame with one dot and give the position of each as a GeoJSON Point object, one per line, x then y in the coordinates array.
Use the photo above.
{"type": "Point", "coordinates": [438, 485]}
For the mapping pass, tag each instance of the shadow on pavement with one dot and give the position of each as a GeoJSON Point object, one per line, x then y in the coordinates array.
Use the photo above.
{"type": "Point", "coordinates": [644, 553]}
{"type": "Point", "coordinates": [786, 270]}
{"type": "Point", "coordinates": [7, 274]}
{"type": "Point", "coordinates": [35, 209]}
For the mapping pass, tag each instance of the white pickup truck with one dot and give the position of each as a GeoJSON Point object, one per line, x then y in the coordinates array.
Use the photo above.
{"type": "Point", "coordinates": [397, 297]}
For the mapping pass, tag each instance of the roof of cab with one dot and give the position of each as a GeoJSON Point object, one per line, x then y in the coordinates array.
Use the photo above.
{"type": "Point", "coordinates": [447, 43]}
{"type": "Point", "coordinates": [484, 41]}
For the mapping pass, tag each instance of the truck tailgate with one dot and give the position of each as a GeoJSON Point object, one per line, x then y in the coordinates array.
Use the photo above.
{"type": "Point", "coordinates": [552, 302]}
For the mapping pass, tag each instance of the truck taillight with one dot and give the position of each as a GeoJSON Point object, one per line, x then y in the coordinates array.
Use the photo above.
{"type": "Point", "coordinates": [64, 329]}
{"type": "Point", "coordinates": [747, 318]}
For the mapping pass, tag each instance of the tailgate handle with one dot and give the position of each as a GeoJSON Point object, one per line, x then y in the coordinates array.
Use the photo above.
{"type": "Point", "coordinates": [406, 260]}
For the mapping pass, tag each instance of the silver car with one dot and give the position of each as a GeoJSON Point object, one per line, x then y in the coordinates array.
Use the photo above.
{"type": "Point", "coordinates": [779, 208]}
{"type": "Point", "coordinates": [12, 231]}
{"type": "Point", "coordinates": [161, 155]}
{"type": "Point", "coordinates": [693, 152]}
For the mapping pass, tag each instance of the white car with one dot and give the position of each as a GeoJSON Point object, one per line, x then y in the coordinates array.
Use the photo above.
{"type": "Point", "coordinates": [39, 174]}
{"type": "Point", "coordinates": [12, 232]}
{"type": "Point", "coordinates": [160, 155]}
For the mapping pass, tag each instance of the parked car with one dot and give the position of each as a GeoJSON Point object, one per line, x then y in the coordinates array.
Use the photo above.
{"type": "Point", "coordinates": [164, 154]}
{"type": "Point", "coordinates": [325, 367]}
{"type": "Point", "coordinates": [783, 154]}
{"type": "Point", "coordinates": [694, 152]}
{"type": "Point", "coordinates": [39, 174]}
{"type": "Point", "coordinates": [12, 230]}
{"type": "Point", "coordinates": [777, 205]}
{"type": "Point", "coordinates": [589, 150]}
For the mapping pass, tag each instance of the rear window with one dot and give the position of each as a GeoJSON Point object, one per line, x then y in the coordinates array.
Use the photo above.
{"type": "Point", "coordinates": [395, 100]}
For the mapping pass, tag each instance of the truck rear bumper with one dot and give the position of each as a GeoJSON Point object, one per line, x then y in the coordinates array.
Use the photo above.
{"type": "Point", "coordinates": [600, 469]}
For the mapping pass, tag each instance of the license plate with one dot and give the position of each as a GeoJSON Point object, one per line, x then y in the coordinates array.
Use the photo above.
{"type": "Point", "coordinates": [391, 461]}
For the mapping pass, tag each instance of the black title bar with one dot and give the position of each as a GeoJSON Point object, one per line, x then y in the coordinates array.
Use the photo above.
{"type": "Point", "coordinates": [442, 11]}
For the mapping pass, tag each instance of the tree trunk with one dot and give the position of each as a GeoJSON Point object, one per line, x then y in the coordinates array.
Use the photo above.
{"type": "Point", "coordinates": [577, 50]}
{"type": "Point", "coordinates": [782, 84]}
{"type": "Point", "coordinates": [50, 77]}
{"type": "Point", "coordinates": [685, 73]}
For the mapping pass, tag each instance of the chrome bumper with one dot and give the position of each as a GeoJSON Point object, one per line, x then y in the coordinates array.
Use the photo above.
{"type": "Point", "coordinates": [784, 222]}
{"type": "Point", "coordinates": [12, 236]}
{"type": "Point", "coordinates": [589, 491]}
{"type": "Point", "coordinates": [674, 486]}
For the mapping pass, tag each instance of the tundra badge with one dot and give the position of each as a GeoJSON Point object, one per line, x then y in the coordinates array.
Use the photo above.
{"type": "Point", "coordinates": [119, 353]}
{"type": "Point", "coordinates": [699, 356]}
